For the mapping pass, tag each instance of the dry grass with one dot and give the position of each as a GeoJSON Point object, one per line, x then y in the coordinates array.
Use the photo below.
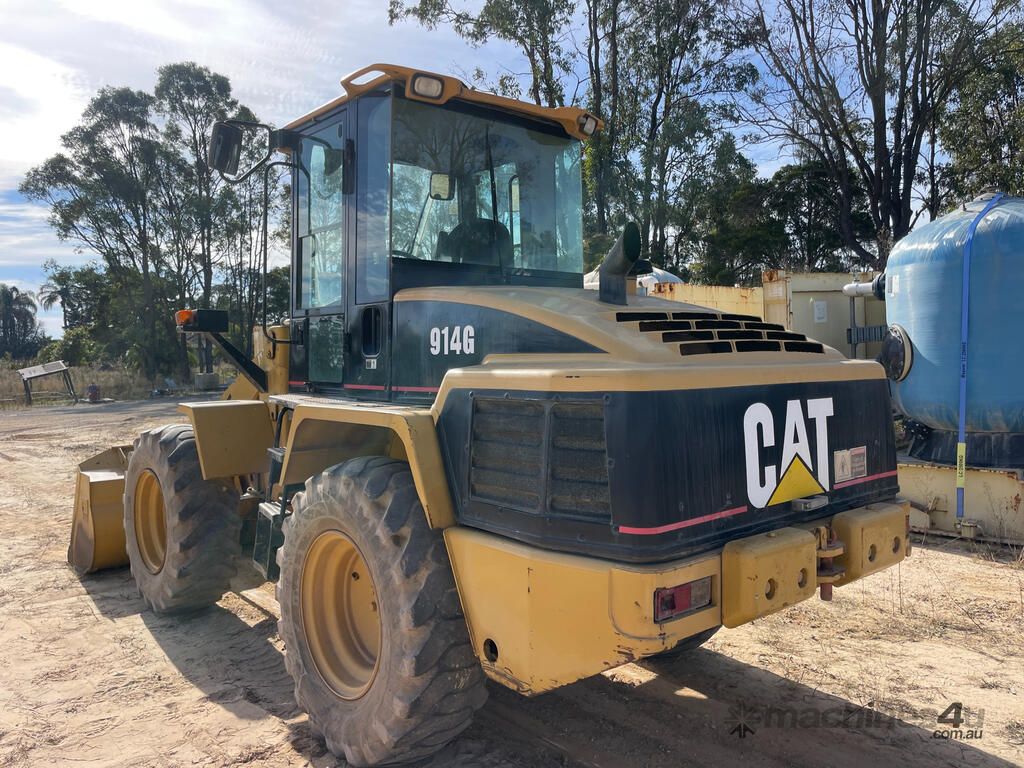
{"type": "Point", "coordinates": [116, 383]}
{"type": "Point", "coordinates": [1014, 731]}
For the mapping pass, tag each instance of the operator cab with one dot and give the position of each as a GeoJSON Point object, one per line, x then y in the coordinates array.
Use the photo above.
{"type": "Point", "coordinates": [397, 187]}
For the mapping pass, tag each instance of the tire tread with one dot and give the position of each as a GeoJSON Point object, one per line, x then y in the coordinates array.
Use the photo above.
{"type": "Point", "coordinates": [434, 683]}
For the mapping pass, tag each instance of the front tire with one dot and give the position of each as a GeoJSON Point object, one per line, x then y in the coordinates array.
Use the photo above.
{"type": "Point", "coordinates": [181, 532]}
{"type": "Point", "coordinates": [374, 633]}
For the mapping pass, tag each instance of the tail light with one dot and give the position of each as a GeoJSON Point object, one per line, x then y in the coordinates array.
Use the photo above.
{"type": "Point", "coordinates": [672, 602]}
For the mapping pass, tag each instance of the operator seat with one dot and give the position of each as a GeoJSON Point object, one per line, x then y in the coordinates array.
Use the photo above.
{"type": "Point", "coordinates": [476, 241]}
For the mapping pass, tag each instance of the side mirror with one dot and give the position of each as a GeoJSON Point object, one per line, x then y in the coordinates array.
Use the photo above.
{"type": "Point", "coordinates": [225, 148]}
{"type": "Point", "coordinates": [441, 187]}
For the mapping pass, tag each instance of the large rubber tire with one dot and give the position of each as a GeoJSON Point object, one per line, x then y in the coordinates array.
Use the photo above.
{"type": "Point", "coordinates": [686, 646]}
{"type": "Point", "coordinates": [425, 683]}
{"type": "Point", "coordinates": [201, 525]}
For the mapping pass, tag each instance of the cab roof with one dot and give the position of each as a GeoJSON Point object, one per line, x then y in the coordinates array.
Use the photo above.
{"type": "Point", "coordinates": [573, 120]}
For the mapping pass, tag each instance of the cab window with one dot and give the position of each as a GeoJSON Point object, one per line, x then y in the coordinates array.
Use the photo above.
{"type": "Point", "coordinates": [321, 244]}
{"type": "Point", "coordinates": [471, 189]}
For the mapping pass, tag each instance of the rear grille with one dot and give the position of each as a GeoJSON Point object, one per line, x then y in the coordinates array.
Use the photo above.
{"type": "Point", "coordinates": [578, 479]}
{"type": "Point", "coordinates": [507, 452]}
{"type": "Point", "coordinates": [703, 333]}
{"type": "Point", "coordinates": [513, 439]}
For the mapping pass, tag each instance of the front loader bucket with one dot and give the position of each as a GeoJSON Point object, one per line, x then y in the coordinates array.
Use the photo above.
{"type": "Point", "coordinates": [97, 527]}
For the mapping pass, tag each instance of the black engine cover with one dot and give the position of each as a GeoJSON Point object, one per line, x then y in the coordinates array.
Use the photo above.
{"type": "Point", "coordinates": [648, 476]}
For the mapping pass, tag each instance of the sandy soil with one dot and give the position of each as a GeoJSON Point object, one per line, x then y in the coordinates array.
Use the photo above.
{"type": "Point", "coordinates": [87, 677]}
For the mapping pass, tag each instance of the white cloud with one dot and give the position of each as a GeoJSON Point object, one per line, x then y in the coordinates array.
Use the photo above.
{"type": "Point", "coordinates": [53, 325]}
{"type": "Point", "coordinates": [39, 102]}
{"type": "Point", "coordinates": [142, 15]}
{"type": "Point", "coordinates": [21, 285]}
{"type": "Point", "coordinates": [26, 240]}
{"type": "Point", "coordinates": [282, 60]}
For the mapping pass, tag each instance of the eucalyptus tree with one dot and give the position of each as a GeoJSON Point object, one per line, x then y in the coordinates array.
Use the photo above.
{"type": "Point", "coordinates": [101, 194]}
{"type": "Point", "coordinates": [982, 128]}
{"type": "Point", "coordinates": [190, 98]}
{"type": "Point", "coordinates": [676, 76]}
{"type": "Point", "coordinates": [804, 199]}
{"type": "Point", "coordinates": [857, 86]}
{"type": "Point", "coordinates": [539, 28]}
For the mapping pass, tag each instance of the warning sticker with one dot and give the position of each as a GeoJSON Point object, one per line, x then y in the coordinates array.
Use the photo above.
{"type": "Point", "coordinates": [850, 464]}
{"type": "Point", "coordinates": [821, 312]}
{"type": "Point", "coordinates": [841, 471]}
{"type": "Point", "coordinates": [858, 461]}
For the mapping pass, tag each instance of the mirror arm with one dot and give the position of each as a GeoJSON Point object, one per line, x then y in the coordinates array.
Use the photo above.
{"type": "Point", "coordinates": [275, 140]}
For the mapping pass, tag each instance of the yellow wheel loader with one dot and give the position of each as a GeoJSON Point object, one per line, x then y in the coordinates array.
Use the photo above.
{"type": "Point", "coordinates": [457, 463]}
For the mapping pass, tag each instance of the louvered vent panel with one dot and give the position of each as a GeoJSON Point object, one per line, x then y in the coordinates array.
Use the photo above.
{"type": "Point", "coordinates": [704, 333]}
{"type": "Point", "coordinates": [506, 452]}
{"type": "Point", "coordinates": [578, 482]}
{"type": "Point", "coordinates": [507, 458]}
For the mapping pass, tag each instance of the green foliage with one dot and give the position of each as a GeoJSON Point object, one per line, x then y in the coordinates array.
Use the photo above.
{"type": "Point", "coordinates": [740, 235]}
{"type": "Point", "coordinates": [595, 248]}
{"type": "Point", "coordinates": [659, 72]}
{"type": "Point", "coordinates": [858, 87]}
{"type": "Point", "coordinates": [278, 293]}
{"type": "Point", "coordinates": [982, 129]}
{"type": "Point", "coordinates": [804, 199]}
{"type": "Point", "coordinates": [540, 29]}
{"type": "Point", "coordinates": [21, 336]}
{"type": "Point", "coordinates": [75, 348]}
{"type": "Point", "coordinates": [131, 185]}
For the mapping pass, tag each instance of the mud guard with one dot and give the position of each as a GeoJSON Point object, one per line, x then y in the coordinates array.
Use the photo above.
{"type": "Point", "coordinates": [232, 436]}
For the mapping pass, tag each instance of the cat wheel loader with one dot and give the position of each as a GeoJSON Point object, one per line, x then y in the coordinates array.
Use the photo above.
{"type": "Point", "coordinates": [458, 464]}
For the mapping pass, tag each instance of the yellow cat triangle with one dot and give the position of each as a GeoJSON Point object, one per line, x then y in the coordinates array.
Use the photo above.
{"type": "Point", "coordinates": [796, 483]}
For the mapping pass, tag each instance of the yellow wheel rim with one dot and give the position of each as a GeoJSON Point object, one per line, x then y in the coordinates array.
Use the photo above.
{"type": "Point", "coordinates": [150, 526]}
{"type": "Point", "coordinates": [340, 617]}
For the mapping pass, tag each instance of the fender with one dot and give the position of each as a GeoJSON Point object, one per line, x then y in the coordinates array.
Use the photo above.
{"type": "Point", "coordinates": [324, 433]}
{"type": "Point", "coordinates": [232, 437]}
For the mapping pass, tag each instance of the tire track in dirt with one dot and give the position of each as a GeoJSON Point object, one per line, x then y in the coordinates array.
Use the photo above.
{"type": "Point", "coordinates": [86, 673]}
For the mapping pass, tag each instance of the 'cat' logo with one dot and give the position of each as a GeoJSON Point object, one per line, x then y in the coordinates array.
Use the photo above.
{"type": "Point", "coordinates": [794, 477]}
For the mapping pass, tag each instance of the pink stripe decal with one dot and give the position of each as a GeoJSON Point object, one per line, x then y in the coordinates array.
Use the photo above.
{"type": "Point", "coordinates": [683, 524]}
{"type": "Point", "coordinates": [415, 389]}
{"type": "Point", "coordinates": [860, 480]}
{"type": "Point", "coordinates": [377, 387]}
{"type": "Point", "coordinates": [296, 383]}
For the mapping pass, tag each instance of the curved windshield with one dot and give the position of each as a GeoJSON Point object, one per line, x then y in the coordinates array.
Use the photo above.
{"type": "Point", "coordinates": [469, 189]}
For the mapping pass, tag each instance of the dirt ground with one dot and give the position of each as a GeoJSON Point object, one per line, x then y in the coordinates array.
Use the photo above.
{"type": "Point", "coordinates": [88, 677]}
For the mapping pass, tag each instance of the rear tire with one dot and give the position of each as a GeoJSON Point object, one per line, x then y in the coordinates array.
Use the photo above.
{"type": "Point", "coordinates": [385, 669]}
{"type": "Point", "coordinates": [181, 532]}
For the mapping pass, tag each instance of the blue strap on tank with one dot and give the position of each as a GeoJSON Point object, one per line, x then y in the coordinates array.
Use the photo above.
{"type": "Point", "coordinates": [965, 297]}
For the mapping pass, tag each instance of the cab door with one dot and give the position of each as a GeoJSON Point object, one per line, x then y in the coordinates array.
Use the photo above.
{"type": "Point", "coordinates": [320, 244]}
{"type": "Point", "coordinates": [368, 319]}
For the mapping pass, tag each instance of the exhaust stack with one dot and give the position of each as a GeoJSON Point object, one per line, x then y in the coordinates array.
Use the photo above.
{"type": "Point", "coordinates": [617, 264]}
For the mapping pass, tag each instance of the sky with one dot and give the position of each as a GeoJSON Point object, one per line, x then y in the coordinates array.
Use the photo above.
{"type": "Point", "coordinates": [283, 60]}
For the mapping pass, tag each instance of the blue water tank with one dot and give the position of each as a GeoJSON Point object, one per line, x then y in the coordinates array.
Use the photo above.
{"type": "Point", "coordinates": [923, 282]}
